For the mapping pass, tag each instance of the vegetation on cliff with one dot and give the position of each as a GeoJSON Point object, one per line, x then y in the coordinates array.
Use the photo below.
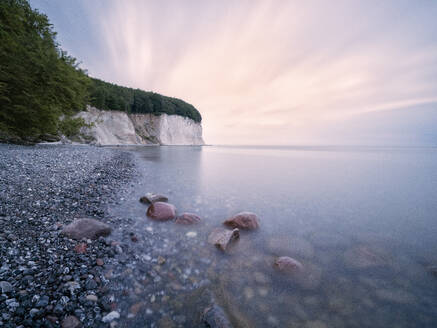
{"type": "Point", "coordinates": [40, 83]}
{"type": "Point", "coordinates": [104, 95]}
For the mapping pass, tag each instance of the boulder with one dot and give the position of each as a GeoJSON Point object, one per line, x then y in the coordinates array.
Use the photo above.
{"type": "Point", "coordinates": [188, 218]}
{"type": "Point", "coordinates": [86, 228]}
{"type": "Point", "coordinates": [243, 220]}
{"type": "Point", "coordinates": [221, 238]}
{"type": "Point", "coordinates": [161, 211]}
{"type": "Point", "coordinates": [288, 265]}
{"type": "Point", "coordinates": [151, 198]}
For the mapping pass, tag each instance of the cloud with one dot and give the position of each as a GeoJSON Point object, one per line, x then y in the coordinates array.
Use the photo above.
{"type": "Point", "coordinates": [271, 71]}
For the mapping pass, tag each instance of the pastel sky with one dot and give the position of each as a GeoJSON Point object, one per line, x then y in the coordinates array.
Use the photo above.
{"type": "Point", "coordinates": [267, 72]}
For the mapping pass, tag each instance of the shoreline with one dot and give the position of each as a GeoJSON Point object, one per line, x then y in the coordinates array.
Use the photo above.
{"type": "Point", "coordinates": [44, 276]}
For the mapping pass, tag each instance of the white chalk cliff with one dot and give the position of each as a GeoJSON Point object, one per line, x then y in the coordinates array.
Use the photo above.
{"type": "Point", "coordinates": [120, 128]}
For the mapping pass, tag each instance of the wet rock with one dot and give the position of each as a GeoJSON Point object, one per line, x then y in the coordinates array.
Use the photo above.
{"type": "Point", "coordinates": [161, 211]}
{"type": "Point", "coordinates": [396, 296]}
{"type": "Point", "coordinates": [215, 317]}
{"type": "Point", "coordinates": [71, 322]}
{"type": "Point", "coordinates": [191, 234]}
{"type": "Point", "coordinates": [151, 198]}
{"type": "Point", "coordinates": [363, 257]}
{"type": "Point", "coordinates": [188, 218]}
{"type": "Point", "coordinates": [111, 316]}
{"type": "Point", "coordinates": [310, 277]}
{"type": "Point", "coordinates": [291, 245]}
{"type": "Point", "coordinates": [243, 220]}
{"type": "Point", "coordinates": [5, 287]}
{"type": "Point", "coordinates": [288, 265]}
{"type": "Point", "coordinates": [86, 228]}
{"type": "Point", "coordinates": [99, 262]}
{"type": "Point", "coordinates": [221, 238]}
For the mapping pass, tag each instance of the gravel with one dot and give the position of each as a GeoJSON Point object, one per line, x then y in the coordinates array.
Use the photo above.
{"type": "Point", "coordinates": [43, 280]}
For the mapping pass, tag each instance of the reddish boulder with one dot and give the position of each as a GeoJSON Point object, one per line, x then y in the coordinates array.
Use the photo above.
{"type": "Point", "coordinates": [188, 218]}
{"type": "Point", "coordinates": [221, 238]}
{"type": "Point", "coordinates": [151, 198]}
{"type": "Point", "coordinates": [161, 211]}
{"type": "Point", "coordinates": [288, 265]}
{"type": "Point", "coordinates": [86, 228]}
{"type": "Point", "coordinates": [244, 221]}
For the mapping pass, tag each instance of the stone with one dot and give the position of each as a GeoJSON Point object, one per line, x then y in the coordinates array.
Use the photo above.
{"type": "Point", "coordinates": [188, 218]}
{"type": "Point", "coordinates": [161, 211]}
{"type": "Point", "coordinates": [214, 317]}
{"type": "Point", "coordinates": [363, 257]}
{"type": "Point", "coordinates": [86, 228]}
{"type": "Point", "coordinates": [99, 262]}
{"type": "Point", "coordinates": [71, 322]}
{"type": "Point", "coordinates": [151, 198]}
{"type": "Point", "coordinates": [111, 316]}
{"type": "Point", "coordinates": [5, 287]}
{"type": "Point", "coordinates": [92, 298]}
{"type": "Point", "coordinates": [221, 238]}
{"type": "Point", "coordinates": [291, 245]}
{"type": "Point", "coordinates": [80, 248]}
{"type": "Point", "coordinates": [243, 221]}
{"type": "Point", "coordinates": [288, 265]}
{"type": "Point", "coordinates": [134, 309]}
{"type": "Point", "coordinates": [191, 234]}
{"type": "Point", "coordinates": [161, 260]}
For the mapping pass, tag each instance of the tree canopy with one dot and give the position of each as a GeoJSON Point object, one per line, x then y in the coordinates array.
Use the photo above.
{"type": "Point", "coordinates": [104, 95]}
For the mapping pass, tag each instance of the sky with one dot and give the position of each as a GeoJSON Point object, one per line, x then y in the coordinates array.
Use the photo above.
{"type": "Point", "coordinates": [269, 72]}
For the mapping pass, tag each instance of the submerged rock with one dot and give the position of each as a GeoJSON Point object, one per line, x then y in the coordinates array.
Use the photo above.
{"type": "Point", "coordinates": [151, 198]}
{"type": "Point", "coordinates": [363, 257]}
{"type": "Point", "coordinates": [161, 211]}
{"type": "Point", "coordinates": [288, 265]}
{"type": "Point", "coordinates": [215, 317]}
{"type": "Point", "coordinates": [188, 218]}
{"type": "Point", "coordinates": [221, 238]}
{"type": "Point", "coordinates": [243, 220]}
{"type": "Point", "coordinates": [291, 245]}
{"type": "Point", "coordinates": [86, 228]}
{"type": "Point", "coordinates": [396, 296]}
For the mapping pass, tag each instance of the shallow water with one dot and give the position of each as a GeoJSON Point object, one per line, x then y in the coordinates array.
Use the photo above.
{"type": "Point", "coordinates": [362, 220]}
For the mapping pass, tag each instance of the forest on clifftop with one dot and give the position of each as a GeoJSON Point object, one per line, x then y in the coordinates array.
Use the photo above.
{"type": "Point", "coordinates": [40, 83]}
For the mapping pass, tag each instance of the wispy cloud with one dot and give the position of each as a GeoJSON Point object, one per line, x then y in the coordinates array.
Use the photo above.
{"type": "Point", "coordinates": [272, 70]}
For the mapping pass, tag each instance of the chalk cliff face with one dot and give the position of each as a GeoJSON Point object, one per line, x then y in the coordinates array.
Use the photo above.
{"type": "Point", "coordinates": [120, 128]}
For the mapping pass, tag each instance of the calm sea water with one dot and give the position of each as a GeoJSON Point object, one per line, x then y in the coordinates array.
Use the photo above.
{"type": "Point", "coordinates": [362, 220]}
